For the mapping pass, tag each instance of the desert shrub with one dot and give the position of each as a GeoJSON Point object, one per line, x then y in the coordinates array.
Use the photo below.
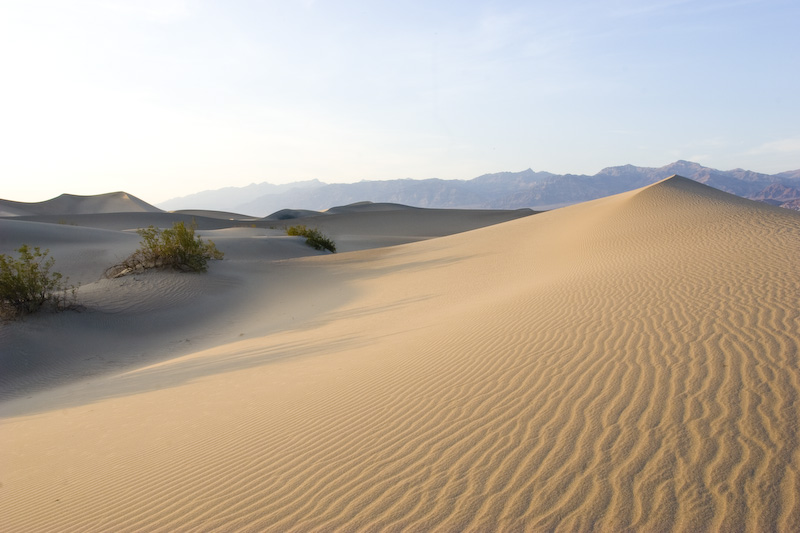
{"type": "Point", "coordinates": [28, 283]}
{"type": "Point", "coordinates": [177, 248]}
{"type": "Point", "coordinates": [314, 238]}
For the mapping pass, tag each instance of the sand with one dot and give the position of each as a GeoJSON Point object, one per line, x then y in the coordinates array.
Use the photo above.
{"type": "Point", "coordinates": [627, 363]}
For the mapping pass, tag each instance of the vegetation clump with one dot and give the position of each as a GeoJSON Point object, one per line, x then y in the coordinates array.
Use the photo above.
{"type": "Point", "coordinates": [176, 248]}
{"type": "Point", "coordinates": [314, 238]}
{"type": "Point", "coordinates": [27, 283]}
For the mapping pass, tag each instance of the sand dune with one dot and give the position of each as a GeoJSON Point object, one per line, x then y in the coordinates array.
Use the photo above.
{"type": "Point", "coordinates": [116, 313]}
{"type": "Point", "coordinates": [225, 215]}
{"type": "Point", "coordinates": [627, 363]}
{"type": "Point", "coordinates": [128, 221]}
{"type": "Point", "coordinates": [360, 207]}
{"type": "Point", "coordinates": [352, 229]}
{"type": "Point", "coordinates": [71, 204]}
{"type": "Point", "coordinates": [367, 226]}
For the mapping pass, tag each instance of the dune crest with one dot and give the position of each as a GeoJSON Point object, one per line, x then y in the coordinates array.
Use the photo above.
{"type": "Point", "coordinates": [627, 363]}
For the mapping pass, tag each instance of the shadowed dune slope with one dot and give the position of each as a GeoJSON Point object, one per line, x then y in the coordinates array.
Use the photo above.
{"type": "Point", "coordinates": [366, 225]}
{"type": "Point", "coordinates": [628, 363]}
{"type": "Point", "coordinates": [224, 215]}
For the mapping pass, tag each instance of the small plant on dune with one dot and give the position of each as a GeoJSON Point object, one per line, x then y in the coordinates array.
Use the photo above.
{"type": "Point", "coordinates": [176, 248]}
{"type": "Point", "coordinates": [314, 238]}
{"type": "Point", "coordinates": [27, 283]}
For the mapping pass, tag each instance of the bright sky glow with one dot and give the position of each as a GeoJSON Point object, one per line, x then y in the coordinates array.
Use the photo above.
{"type": "Point", "coordinates": [162, 98]}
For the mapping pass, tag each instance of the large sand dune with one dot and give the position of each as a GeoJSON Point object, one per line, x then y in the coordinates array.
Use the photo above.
{"type": "Point", "coordinates": [627, 363]}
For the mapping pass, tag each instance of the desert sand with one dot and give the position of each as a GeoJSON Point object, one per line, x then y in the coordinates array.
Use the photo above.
{"type": "Point", "coordinates": [629, 363]}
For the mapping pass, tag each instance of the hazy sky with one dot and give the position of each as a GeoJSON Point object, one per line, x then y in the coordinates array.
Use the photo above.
{"type": "Point", "coordinates": [161, 98]}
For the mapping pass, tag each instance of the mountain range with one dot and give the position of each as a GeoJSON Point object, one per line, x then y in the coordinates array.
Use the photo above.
{"type": "Point", "coordinates": [503, 190]}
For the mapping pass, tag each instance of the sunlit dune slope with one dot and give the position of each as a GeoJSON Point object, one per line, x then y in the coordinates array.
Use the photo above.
{"type": "Point", "coordinates": [631, 362]}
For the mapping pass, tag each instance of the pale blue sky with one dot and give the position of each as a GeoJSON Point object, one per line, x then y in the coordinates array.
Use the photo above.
{"type": "Point", "coordinates": [162, 98]}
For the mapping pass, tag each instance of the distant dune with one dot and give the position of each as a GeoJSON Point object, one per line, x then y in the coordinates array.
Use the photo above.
{"type": "Point", "coordinates": [629, 363]}
{"type": "Point", "coordinates": [70, 204]}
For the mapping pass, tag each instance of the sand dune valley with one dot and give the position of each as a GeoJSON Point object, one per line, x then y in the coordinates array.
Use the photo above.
{"type": "Point", "coordinates": [625, 364]}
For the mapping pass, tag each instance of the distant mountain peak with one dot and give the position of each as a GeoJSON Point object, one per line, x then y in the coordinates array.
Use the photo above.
{"type": "Point", "coordinates": [686, 165]}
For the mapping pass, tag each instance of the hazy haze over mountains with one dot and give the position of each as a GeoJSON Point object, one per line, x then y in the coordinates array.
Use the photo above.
{"type": "Point", "coordinates": [502, 190]}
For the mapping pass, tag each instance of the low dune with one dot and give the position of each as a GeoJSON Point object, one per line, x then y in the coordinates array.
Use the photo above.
{"type": "Point", "coordinates": [630, 363]}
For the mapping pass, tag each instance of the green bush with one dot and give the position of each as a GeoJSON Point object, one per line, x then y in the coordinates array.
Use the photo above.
{"type": "Point", "coordinates": [177, 248]}
{"type": "Point", "coordinates": [27, 283]}
{"type": "Point", "coordinates": [314, 238]}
